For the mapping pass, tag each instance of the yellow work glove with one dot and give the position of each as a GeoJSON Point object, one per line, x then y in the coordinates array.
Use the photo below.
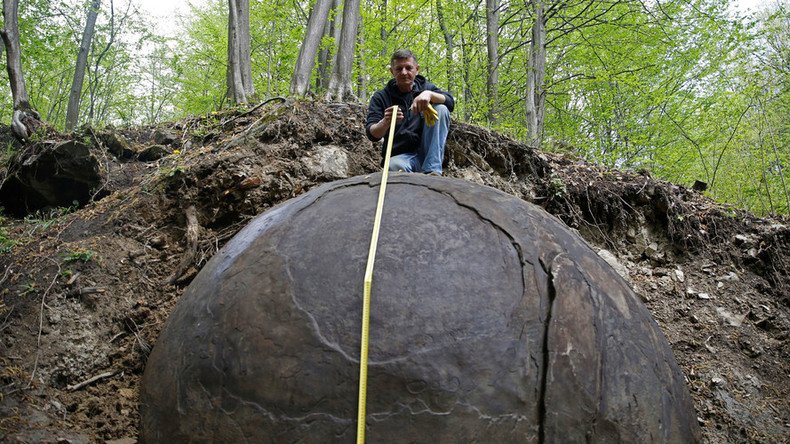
{"type": "Point", "coordinates": [431, 116]}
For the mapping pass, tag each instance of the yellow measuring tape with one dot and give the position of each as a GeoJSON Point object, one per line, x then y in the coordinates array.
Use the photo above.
{"type": "Point", "coordinates": [374, 240]}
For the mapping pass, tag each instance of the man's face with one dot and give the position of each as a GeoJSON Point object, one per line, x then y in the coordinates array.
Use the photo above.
{"type": "Point", "coordinates": [404, 71]}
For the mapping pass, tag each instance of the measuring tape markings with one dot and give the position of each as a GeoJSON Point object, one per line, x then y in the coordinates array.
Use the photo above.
{"type": "Point", "coordinates": [363, 354]}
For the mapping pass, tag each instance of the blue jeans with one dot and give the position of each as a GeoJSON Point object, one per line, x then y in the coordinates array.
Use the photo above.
{"type": "Point", "coordinates": [430, 154]}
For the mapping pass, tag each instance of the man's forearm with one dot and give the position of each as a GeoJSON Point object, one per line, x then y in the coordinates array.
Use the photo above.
{"type": "Point", "coordinates": [437, 97]}
{"type": "Point", "coordinates": [379, 129]}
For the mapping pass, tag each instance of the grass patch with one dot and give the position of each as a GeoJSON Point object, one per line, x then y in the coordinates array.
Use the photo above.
{"type": "Point", "coordinates": [79, 255]}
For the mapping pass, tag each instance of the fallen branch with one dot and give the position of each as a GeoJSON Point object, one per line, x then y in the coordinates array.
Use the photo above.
{"type": "Point", "coordinates": [254, 108]}
{"type": "Point", "coordinates": [5, 274]}
{"type": "Point", "coordinates": [193, 232]}
{"type": "Point", "coordinates": [144, 347]}
{"type": "Point", "coordinates": [84, 290]}
{"type": "Point", "coordinates": [90, 381]}
{"type": "Point", "coordinates": [72, 279]}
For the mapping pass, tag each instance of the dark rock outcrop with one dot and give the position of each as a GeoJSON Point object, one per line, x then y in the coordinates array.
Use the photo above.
{"type": "Point", "coordinates": [45, 175]}
{"type": "Point", "coordinates": [153, 152]}
{"type": "Point", "coordinates": [490, 322]}
{"type": "Point", "coordinates": [118, 145]}
{"type": "Point", "coordinates": [165, 137]}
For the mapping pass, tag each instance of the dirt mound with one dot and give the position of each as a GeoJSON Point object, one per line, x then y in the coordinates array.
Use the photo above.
{"type": "Point", "coordinates": [85, 294]}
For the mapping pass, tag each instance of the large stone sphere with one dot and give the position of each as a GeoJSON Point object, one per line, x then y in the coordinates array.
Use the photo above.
{"type": "Point", "coordinates": [490, 322]}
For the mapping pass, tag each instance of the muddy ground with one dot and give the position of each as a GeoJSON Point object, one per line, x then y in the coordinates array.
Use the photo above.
{"type": "Point", "coordinates": [84, 293]}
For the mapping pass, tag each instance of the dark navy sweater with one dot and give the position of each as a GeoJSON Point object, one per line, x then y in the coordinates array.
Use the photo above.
{"type": "Point", "coordinates": [408, 131]}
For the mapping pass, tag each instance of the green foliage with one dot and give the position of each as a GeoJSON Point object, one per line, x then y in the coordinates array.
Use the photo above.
{"type": "Point", "coordinates": [45, 219]}
{"type": "Point", "coordinates": [276, 30]}
{"type": "Point", "coordinates": [6, 242]}
{"type": "Point", "coordinates": [28, 288]}
{"type": "Point", "coordinates": [557, 188]}
{"type": "Point", "coordinates": [7, 153]}
{"type": "Point", "coordinates": [50, 35]}
{"type": "Point", "coordinates": [172, 171]}
{"type": "Point", "coordinates": [202, 60]}
{"type": "Point", "coordinates": [681, 88]}
{"type": "Point", "coordinates": [66, 274]}
{"type": "Point", "coordinates": [48, 55]}
{"type": "Point", "coordinates": [79, 255]}
{"type": "Point", "coordinates": [158, 83]}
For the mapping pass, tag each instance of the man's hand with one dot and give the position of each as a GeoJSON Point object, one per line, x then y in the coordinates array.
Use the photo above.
{"type": "Point", "coordinates": [379, 130]}
{"type": "Point", "coordinates": [388, 115]}
{"type": "Point", "coordinates": [422, 101]}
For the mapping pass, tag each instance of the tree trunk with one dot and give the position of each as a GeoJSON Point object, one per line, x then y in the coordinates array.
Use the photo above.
{"type": "Point", "coordinates": [322, 80]}
{"type": "Point", "coordinates": [340, 87]}
{"type": "Point", "coordinates": [466, 60]}
{"type": "Point", "coordinates": [239, 77]}
{"type": "Point", "coordinates": [492, 43]}
{"type": "Point", "coordinates": [25, 119]}
{"type": "Point", "coordinates": [536, 71]}
{"type": "Point", "coordinates": [300, 81]}
{"type": "Point", "coordinates": [331, 29]}
{"type": "Point", "coordinates": [56, 107]}
{"type": "Point", "coordinates": [362, 79]}
{"type": "Point", "coordinates": [73, 110]}
{"type": "Point", "coordinates": [448, 40]}
{"type": "Point", "coordinates": [383, 29]}
{"type": "Point", "coordinates": [98, 105]}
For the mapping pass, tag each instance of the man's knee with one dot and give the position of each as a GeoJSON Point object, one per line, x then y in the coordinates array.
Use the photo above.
{"type": "Point", "coordinates": [400, 163]}
{"type": "Point", "coordinates": [442, 110]}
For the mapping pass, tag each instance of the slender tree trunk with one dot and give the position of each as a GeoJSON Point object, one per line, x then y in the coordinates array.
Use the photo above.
{"type": "Point", "coordinates": [10, 35]}
{"type": "Point", "coordinates": [235, 86]}
{"type": "Point", "coordinates": [492, 43]}
{"type": "Point", "coordinates": [383, 29]}
{"type": "Point", "coordinates": [325, 56]}
{"type": "Point", "coordinates": [322, 80]}
{"type": "Point", "coordinates": [536, 72]}
{"type": "Point", "coordinates": [53, 113]}
{"type": "Point", "coordinates": [362, 79]}
{"type": "Point", "coordinates": [300, 81]}
{"type": "Point", "coordinates": [245, 48]}
{"type": "Point", "coordinates": [467, 86]}
{"type": "Point", "coordinates": [25, 119]}
{"type": "Point", "coordinates": [94, 83]}
{"type": "Point", "coordinates": [448, 40]}
{"type": "Point", "coordinates": [777, 158]}
{"type": "Point", "coordinates": [340, 84]}
{"type": "Point", "coordinates": [239, 77]}
{"type": "Point", "coordinates": [73, 109]}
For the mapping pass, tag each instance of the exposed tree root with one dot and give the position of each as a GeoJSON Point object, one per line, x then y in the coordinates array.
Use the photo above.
{"type": "Point", "coordinates": [192, 235]}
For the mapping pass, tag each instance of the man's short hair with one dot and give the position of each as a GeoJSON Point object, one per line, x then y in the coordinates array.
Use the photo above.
{"type": "Point", "coordinates": [402, 54]}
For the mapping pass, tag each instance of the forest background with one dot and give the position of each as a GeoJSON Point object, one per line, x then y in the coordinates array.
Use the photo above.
{"type": "Point", "coordinates": [689, 90]}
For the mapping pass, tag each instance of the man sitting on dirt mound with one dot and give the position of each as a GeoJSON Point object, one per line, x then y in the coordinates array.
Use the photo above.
{"type": "Point", "coordinates": [418, 147]}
